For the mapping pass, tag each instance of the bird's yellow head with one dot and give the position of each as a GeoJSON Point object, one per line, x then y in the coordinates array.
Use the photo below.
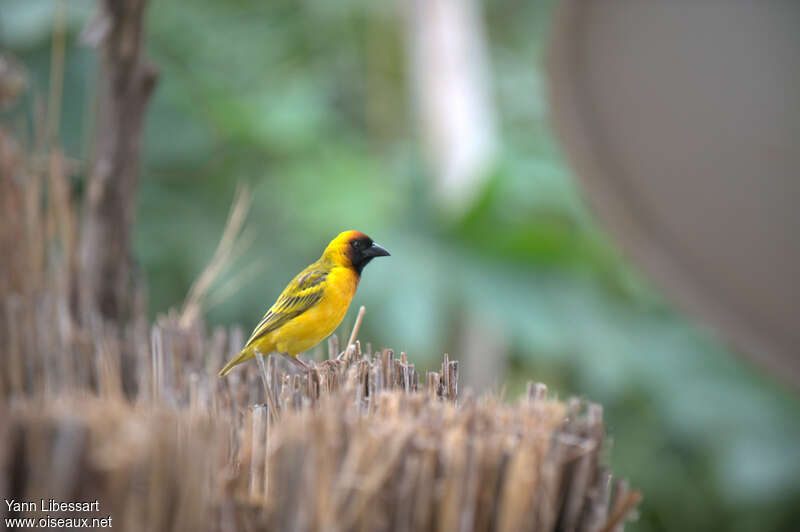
{"type": "Point", "coordinates": [353, 249]}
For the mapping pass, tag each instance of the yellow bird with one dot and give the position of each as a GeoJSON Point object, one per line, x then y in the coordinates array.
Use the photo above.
{"type": "Point", "coordinates": [314, 303]}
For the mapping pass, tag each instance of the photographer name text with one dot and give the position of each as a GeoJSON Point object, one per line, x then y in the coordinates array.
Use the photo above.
{"type": "Point", "coordinates": [52, 505]}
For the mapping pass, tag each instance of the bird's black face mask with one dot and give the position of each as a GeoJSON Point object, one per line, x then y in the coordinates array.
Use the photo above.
{"type": "Point", "coordinates": [363, 250]}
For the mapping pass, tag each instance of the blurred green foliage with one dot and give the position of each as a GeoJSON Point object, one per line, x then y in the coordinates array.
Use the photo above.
{"type": "Point", "coordinates": [308, 102]}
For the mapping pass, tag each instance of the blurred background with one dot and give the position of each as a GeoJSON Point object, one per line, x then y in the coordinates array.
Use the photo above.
{"type": "Point", "coordinates": [426, 126]}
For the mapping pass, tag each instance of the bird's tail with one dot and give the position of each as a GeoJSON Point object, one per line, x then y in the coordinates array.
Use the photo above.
{"type": "Point", "coordinates": [245, 354]}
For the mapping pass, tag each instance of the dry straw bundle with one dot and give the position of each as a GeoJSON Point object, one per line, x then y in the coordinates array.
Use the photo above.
{"type": "Point", "coordinates": [147, 469]}
{"type": "Point", "coordinates": [357, 444]}
{"type": "Point", "coordinates": [135, 417]}
{"type": "Point", "coordinates": [402, 460]}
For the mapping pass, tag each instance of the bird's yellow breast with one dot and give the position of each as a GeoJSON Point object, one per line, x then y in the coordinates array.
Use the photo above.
{"type": "Point", "coordinates": [318, 322]}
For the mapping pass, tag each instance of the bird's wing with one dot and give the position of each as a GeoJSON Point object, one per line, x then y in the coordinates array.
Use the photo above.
{"type": "Point", "coordinates": [301, 294]}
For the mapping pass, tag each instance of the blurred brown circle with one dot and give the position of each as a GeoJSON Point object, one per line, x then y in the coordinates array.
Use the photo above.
{"type": "Point", "coordinates": [682, 121]}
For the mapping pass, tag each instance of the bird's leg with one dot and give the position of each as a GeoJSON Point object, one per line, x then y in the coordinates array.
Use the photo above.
{"type": "Point", "coordinates": [296, 362]}
{"type": "Point", "coordinates": [305, 367]}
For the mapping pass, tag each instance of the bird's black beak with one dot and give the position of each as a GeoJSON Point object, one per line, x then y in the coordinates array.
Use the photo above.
{"type": "Point", "coordinates": [376, 251]}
